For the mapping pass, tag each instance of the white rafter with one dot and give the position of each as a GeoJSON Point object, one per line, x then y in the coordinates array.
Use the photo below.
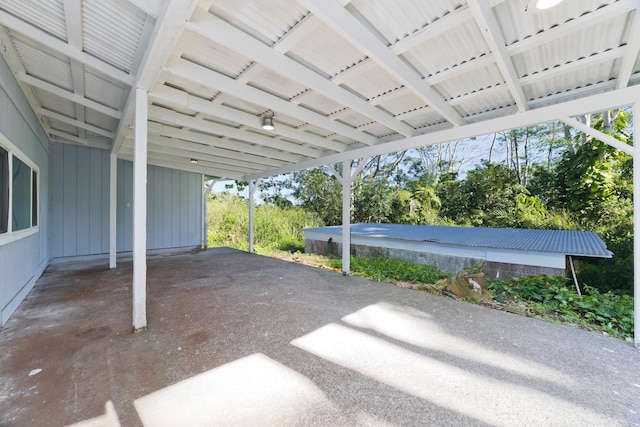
{"type": "Point", "coordinates": [210, 140]}
{"type": "Point", "coordinates": [632, 50]}
{"type": "Point", "coordinates": [577, 107]}
{"type": "Point", "coordinates": [608, 55]}
{"type": "Point", "coordinates": [442, 25]}
{"type": "Point", "coordinates": [299, 32]}
{"type": "Point", "coordinates": [175, 118]}
{"type": "Point", "coordinates": [214, 28]}
{"type": "Point", "coordinates": [579, 23]}
{"type": "Point", "coordinates": [178, 99]}
{"type": "Point", "coordinates": [228, 156]}
{"type": "Point", "coordinates": [347, 25]}
{"type": "Point", "coordinates": [493, 37]}
{"type": "Point", "coordinates": [214, 80]}
{"type": "Point", "coordinates": [59, 46]}
{"type": "Point", "coordinates": [166, 34]}
{"type": "Point", "coordinates": [74, 122]}
{"type": "Point", "coordinates": [73, 20]}
{"type": "Point", "coordinates": [70, 96]}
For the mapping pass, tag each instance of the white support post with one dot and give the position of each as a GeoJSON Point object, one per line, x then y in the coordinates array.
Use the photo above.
{"type": "Point", "coordinates": [252, 191]}
{"type": "Point", "coordinates": [140, 212]}
{"type": "Point", "coordinates": [346, 217]}
{"type": "Point", "coordinates": [113, 208]}
{"type": "Point", "coordinates": [636, 224]}
{"type": "Point", "coordinates": [203, 212]}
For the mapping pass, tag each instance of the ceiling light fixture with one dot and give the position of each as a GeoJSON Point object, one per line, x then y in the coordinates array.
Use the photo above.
{"type": "Point", "coordinates": [546, 4]}
{"type": "Point", "coordinates": [194, 161]}
{"type": "Point", "coordinates": [267, 120]}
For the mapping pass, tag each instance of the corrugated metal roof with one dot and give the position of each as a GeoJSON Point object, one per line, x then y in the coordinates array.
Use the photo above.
{"type": "Point", "coordinates": [112, 31]}
{"type": "Point", "coordinates": [568, 242]}
{"type": "Point", "coordinates": [41, 63]}
{"type": "Point", "coordinates": [385, 70]}
{"type": "Point", "coordinates": [47, 15]}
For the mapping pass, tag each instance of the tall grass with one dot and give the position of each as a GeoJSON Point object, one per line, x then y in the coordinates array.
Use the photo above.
{"type": "Point", "coordinates": [274, 227]}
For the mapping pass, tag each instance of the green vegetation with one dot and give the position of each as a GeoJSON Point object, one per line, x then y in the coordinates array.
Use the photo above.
{"type": "Point", "coordinates": [275, 228]}
{"type": "Point", "coordinates": [549, 176]}
{"type": "Point", "coordinates": [545, 297]}
{"type": "Point", "coordinates": [553, 298]}
{"type": "Point", "coordinates": [381, 268]}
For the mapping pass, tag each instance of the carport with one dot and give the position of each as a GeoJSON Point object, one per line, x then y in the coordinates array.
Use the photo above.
{"type": "Point", "coordinates": [244, 340]}
{"type": "Point", "coordinates": [249, 89]}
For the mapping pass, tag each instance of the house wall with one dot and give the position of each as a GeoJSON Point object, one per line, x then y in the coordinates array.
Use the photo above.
{"type": "Point", "coordinates": [22, 261]}
{"type": "Point", "coordinates": [80, 204]}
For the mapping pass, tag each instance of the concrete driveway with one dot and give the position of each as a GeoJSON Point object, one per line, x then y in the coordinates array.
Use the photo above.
{"type": "Point", "coordinates": [240, 339]}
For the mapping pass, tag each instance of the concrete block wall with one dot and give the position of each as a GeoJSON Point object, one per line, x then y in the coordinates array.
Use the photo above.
{"type": "Point", "coordinates": [450, 264]}
{"type": "Point", "coordinates": [501, 270]}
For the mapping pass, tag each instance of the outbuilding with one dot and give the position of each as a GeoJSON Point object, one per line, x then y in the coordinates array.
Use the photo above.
{"type": "Point", "coordinates": [502, 252]}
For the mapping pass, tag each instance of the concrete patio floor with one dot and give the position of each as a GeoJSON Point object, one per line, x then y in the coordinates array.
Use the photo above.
{"type": "Point", "coordinates": [241, 339]}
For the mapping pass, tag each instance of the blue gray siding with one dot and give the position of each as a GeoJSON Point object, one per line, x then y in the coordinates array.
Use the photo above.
{"type": "Point", "coordinates": [23, 261]}
{"type": "Point", "coordinates": [80, 204]}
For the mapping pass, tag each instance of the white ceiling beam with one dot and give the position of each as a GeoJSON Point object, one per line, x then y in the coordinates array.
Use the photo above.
{"type": "Point", "coordinates": [577, 107]}
{"type": "Point", "coordinates": [607, 139]}
{"type": "Point", "coordinates": [237, 166]}
{"type": "Point", "coordinates": [228, 156]}
{"type": "Point", "coordinates": [299, 98]}
{"type": "Point", "coordinates": [74, 122]}
{"type": "Point", "coordinates": [239, 146]}
{"type": "Point", "coordinates": [354, 71]}
{"type": "Point", "coordinates": [49, 42]}
{"type": "Point", "coordinates": [460, 69]}
{"type": "Point", "coordinates": [178, 119]}
{"type": "Point", "coordinates": [150, 7]}
{"type": "Point", "coordinates": [446, 23]}
{"type": "Point", "coordinates": [490, 30]}
{"type": "Point", "coordinates": [170, 163]}
{"type": "Point", "coordinates": [299, 32]}
{"type": "Point", "coordinates": [88, 142]}
{"type": "Point", "coordinates": [8, 51]}
{"type": "Point", "coordinates": [415, 113]}
{"type": "Point", "coordinates": [583, 91]}
{"type": "Point", "coordinates": [166, 33]}
{"type": "Point", "coordinates": [215, 29]}
{"type": "Point", "coordinates": [73, 21]}
{"type": "Point", "coordinates": [632, 50]}
{"type": "Point", "coordinates": [604, 13]}
{"type": "Point", "coordinates": [216, 81]}
{"type": "Point", "coordinates": [479, 94]}
{"type": "Point", "coordinates": [390, 96]}
{"type": "Point", "coordinates": [70, 96]}
{"type": "Point", "coordinates": [608, 55]}
{"type": "Point", "coordinates": [347, 25]}
{"type": "Point", "coordinates": [179, 99]}
{"type": "Point", "coordinates": [249, 73]}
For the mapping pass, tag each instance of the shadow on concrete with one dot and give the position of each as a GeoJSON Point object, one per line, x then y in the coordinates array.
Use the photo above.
{"type": "Point", "coordinates": [240, 339]}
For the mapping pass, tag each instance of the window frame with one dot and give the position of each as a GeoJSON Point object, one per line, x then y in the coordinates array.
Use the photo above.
{"type": "Point", "coordinates": [10, 235]}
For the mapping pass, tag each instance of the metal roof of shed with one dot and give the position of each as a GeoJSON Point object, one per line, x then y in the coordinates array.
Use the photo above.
{"type": "Point", "coordinates": [576, 243]}
{"type": "Point", "coordinates": [346, 79]}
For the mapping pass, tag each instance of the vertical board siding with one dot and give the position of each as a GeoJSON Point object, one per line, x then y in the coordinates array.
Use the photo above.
{"type": "Point", "coordinates": [70, 197]}
{"type": "Point", "coordinates": [80, 206]}
{"type": "Point", "coordinates": [83, 214]}
{"type": "Point", "coordinates": [22, 261]}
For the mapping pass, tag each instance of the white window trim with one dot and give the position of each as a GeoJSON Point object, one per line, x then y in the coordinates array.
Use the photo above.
{"type": "Point", "coordinates": [10, 235]}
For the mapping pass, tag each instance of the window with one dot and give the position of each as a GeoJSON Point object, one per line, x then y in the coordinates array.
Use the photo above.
{"type": "Point", "coordinates": [4, 190]}
{"type": "Point", "coordinates": [18, 192]}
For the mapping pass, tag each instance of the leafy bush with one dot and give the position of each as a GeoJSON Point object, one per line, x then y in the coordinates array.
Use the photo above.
{"type": "Point", "coordinates": [555, 298]}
